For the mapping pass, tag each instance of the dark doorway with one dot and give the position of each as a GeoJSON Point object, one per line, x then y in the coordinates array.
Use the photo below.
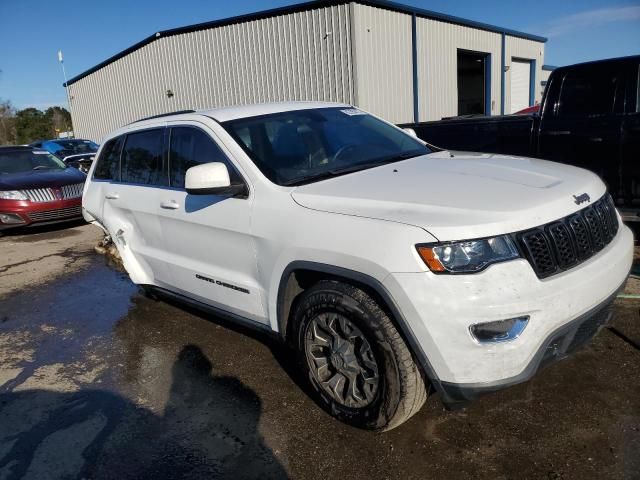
{"type": "Point", "coordinates": [472, 83]}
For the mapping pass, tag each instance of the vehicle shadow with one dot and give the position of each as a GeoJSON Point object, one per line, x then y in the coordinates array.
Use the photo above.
{"type": "Point", "coordinates": [208, 429]}
{"type": "Point", "coordinates": [282, 352]}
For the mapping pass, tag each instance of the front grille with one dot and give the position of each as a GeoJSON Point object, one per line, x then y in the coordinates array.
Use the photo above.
{"type": "Point", "coordinates": [72, 191]}
{"type": "Point", "coordinates": [75, 211]}
{"type": "Point", "coordinates": [565, 243]}
{"type": "Point", "coordinates": [40, 195]}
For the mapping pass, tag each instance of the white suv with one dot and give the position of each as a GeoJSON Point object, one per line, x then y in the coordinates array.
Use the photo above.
{"type": "Point", "coordinates": [390, 267]}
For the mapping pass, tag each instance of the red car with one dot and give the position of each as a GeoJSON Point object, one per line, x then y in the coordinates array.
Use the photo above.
{"type": "Point", "coordinates": [36, 188]}
{"type": "Point", "coordinates": [529, 110]}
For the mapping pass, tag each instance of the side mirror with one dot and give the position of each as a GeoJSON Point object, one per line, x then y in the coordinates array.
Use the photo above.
{"type": "Point", "coordinates": [211, 179]}
{"type": "Point", "coordinates": [410, 131]}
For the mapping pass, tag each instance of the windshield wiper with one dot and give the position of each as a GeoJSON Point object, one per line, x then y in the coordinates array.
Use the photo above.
{"type": "Point", "coordinates": [292, 182]}
{"type": "Point", "coordinates": [353, 168]}
{"type": "Point", "coordinates": [41, 167]}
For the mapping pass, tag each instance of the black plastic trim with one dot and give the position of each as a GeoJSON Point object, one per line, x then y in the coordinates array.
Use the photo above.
{"type": "Point", "coordinates": [301, 7]}
{"type": "Point", "coordinates": [219, 312]}
{"type": "Point", "coordinates": [160, 115]}
{"type": "Point", "coordinates": [236, 190]}
{"type": "Point", "coordinates": [397, 316]}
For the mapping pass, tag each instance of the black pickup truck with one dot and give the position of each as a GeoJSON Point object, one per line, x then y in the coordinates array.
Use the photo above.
{"type": "Point", "coordinates": [589, 117]}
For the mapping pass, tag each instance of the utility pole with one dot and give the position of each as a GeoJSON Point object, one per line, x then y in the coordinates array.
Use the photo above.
{"type": "Point", "coordinates": [64, 74]}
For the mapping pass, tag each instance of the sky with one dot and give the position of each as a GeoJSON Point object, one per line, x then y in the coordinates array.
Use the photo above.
{"type": "Point", "coordinates": [89, 31]}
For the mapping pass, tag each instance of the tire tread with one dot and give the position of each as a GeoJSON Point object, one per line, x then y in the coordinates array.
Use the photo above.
{"type": "Point", "coordinates": [413, 391]}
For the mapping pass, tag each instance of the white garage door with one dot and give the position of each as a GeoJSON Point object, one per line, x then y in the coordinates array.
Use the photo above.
{"type": "Point", "coordinates": [520, 83]}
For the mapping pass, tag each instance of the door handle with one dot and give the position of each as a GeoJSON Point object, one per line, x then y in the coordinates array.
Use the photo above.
{"type": "Point", "coordinates": [559, 132]}
{"type": "Point", "coordinates": [169, 205]}
{"type": "Point", "coordinates": [595, 139]}
{"type": "Point", "coordinates": [112, 196]}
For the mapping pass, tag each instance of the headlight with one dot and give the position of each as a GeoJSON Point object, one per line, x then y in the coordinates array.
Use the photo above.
{"type": "Point", "coordinates": [12, 195]}
{"type": "Point", "coordinates": [467, 257]}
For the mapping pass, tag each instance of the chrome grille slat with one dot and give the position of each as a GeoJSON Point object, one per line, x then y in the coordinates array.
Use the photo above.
{"type": "Point", "coordinates": [41, 195]}
{"type": "Point", "coordinates": [60, 213]}
{"type": "Point", "coordinates": [569, 241]}
{"type": "Point", "coordinates": [72, 191]}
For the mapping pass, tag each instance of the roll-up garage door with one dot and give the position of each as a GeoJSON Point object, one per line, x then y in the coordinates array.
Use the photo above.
{"type": "Point", "coordinates": [520, 84]}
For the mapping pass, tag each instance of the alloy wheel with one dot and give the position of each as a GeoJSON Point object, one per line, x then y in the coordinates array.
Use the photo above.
{"type": "Point", "coordinates": [341, 360]}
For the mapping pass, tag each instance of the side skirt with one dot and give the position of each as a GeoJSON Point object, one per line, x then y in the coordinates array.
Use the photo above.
{"type": "Point", "coordinates": [215, 311]}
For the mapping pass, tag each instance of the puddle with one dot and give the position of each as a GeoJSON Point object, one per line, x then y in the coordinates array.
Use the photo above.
{"type": "Point", "coordinates": [62, 322]}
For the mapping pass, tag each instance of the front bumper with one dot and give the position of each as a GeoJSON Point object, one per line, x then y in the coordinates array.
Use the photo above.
{"type": "Point", "coordinates": [558, 345]}
{"type": "Point", "coordinates": [439, 309]}
{"type": "Point", "coordinates": [41, 213]}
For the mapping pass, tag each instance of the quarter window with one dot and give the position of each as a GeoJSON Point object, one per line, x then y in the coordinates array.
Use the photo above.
{"type": "Point", "coordinates": [191, 147]}
{"type": "Point", "coordinates": [142, 158]}
{"type": "Point", "coordinates": [108, 164]}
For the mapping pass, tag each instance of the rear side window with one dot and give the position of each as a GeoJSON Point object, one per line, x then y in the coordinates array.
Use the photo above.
{"type": "Point", "coordinates": [142, 158]}
{"type": "Point", "coordinates": [190, 147]}
{"type": "Point", "coordinates": [588, 93]}
{"type": "Point", "coordinates": [108, 166]}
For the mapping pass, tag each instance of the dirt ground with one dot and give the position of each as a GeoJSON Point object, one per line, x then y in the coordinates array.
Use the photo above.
{"type": "Point", "coordinates": [98, 381]}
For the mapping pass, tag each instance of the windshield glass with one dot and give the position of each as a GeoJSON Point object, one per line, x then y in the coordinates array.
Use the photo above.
{"type": "Point", "coordinates": [18, 161]}
{"type": "Point", "coordinates": [302, 146]}
{"type": "Point", "coordinates": [64, 148]}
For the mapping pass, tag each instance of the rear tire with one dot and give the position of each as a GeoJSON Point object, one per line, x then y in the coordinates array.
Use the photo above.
{"type": "Point", "coordinates": [357, 363]}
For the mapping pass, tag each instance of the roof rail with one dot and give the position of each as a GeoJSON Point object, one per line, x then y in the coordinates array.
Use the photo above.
{"type": "Point", "coordinates": [177, 112]}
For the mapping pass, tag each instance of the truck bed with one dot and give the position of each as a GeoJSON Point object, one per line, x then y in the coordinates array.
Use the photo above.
{"type": "Point", "coordinates": [507, 134]}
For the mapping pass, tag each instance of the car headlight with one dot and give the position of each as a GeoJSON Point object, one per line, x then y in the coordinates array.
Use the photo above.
{"type": "Point", "coordinates": [469, 256]}
{"type": "Point", "coordinates": [12, 195]}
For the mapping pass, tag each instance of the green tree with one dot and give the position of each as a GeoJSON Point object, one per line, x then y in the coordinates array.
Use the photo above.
{"type": "Point", "coordinates": [32, 124]}
{"type": "Point", "coordinates": [59, 119]}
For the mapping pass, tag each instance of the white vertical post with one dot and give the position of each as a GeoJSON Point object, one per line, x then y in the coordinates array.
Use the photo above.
{"type": "Point", "coordinates": [64, 74]}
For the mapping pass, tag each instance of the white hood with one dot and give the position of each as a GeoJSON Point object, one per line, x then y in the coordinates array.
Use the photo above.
{"type": "Point", "coordinates": [455, 195]}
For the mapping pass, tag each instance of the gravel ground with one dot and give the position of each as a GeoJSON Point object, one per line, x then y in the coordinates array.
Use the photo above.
{"type": "Point", "coordinates": [98, 381]}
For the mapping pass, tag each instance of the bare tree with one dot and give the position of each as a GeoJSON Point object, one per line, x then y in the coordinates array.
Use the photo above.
{"type": "Point", "coordinates": [8, 131]}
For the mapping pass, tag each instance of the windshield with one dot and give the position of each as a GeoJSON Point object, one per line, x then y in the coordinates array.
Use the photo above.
{"type": "Point", "coordinates": [18, 161]}
{"type": "Point", "coordinates": [64, 148]}
{"type": "Point", "coordinates": [302, 146]}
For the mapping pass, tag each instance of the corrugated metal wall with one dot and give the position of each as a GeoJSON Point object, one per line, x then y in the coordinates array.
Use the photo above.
{"type": "Point", "coordinates": [520, 48]}
{"type": "Point", "coordinates": [383, 62]}
{"type": "Point", "coordinates": [349, 53]}
{"type": "Point", "coordinates": [437, 44]}
{"type": "Point", "coordinates": [298, 56]}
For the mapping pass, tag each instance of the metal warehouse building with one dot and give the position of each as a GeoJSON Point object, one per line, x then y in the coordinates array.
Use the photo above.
{"type": "Point", "coordinates": [399, 62]}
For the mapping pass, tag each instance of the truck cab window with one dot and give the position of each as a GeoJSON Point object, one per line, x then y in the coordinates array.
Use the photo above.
{"type": "Point", "coordinates": [638, 90]}
{"type": "Point", "coordinates": [588, 93]}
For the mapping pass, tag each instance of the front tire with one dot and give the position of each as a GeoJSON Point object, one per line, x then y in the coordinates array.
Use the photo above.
{"type": "Point", "coordinates": [355, 359]}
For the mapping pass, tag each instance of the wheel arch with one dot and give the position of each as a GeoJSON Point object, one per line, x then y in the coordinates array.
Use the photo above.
{"type": "Point", "coordinates": [289, 290]}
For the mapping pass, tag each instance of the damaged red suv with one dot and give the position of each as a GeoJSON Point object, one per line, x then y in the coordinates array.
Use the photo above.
{"type": "Point", "coordinates": [36, 188]}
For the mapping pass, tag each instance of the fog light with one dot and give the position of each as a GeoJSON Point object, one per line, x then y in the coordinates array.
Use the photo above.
{"type": "Point", "coordinates": [11, 218]}
{"type": "Point", "coordinates": [499, 331]}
